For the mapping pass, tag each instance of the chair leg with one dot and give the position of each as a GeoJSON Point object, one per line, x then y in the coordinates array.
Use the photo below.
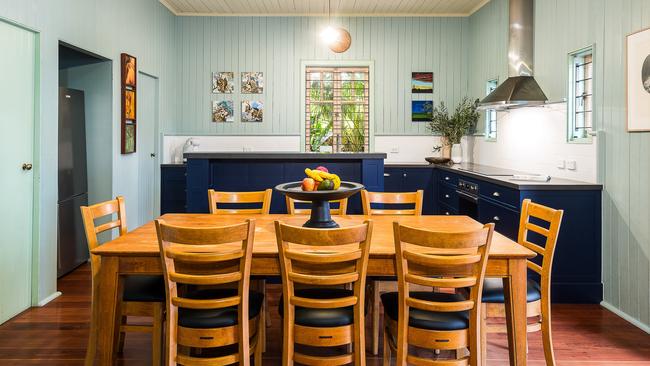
{"type": "Point", "coordinates": [156, 334]}
{"type": "Point", "coordinates": [547, 337]}
{"type": "Point", "coordinates": [386, 360]}
{"type": "Point", "coordinates": [121, 335]}
{"type": "Point", "coordinates": [263, 318]}
{"type": "Point", "coordinates": [91, 350]}
{"type": "Point", "coordinates": [287, 340]}
{"type": "Point", "coordinates": [374, 285]}
{"type": "Point", "coordinates": [483, 334]}
{"type": "Point", "coordinates": [259, 349]}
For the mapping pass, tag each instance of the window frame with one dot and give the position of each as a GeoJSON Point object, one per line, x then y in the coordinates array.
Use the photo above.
{"type": "Point", "coordinates": [337, 63]}
{"type": "Point", "coordinates": [571, 95]}
{"type": "Point", "coordinates": [487, 113]}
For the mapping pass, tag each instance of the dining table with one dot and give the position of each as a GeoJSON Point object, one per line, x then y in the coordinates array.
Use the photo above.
{"type": "Point", "coordinates": [138, 253]}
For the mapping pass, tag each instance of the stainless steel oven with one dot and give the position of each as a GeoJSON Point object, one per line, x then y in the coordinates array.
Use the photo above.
{"type": "Point", "coordinates": [467, 198]}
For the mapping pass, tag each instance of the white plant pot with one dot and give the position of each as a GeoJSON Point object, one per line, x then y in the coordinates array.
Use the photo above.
{"type": "Point", "coordinates": [456, 153]}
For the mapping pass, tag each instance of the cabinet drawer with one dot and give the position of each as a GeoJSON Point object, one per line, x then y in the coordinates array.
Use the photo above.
{"type": "Point", "coordinates": [448, 178]}
{"type": "Point", "coordinates": [506, 220]}
{"type": "Point", "coordinates": [448, 196]}
{"type": "Point", "coordinates": [504, 195]}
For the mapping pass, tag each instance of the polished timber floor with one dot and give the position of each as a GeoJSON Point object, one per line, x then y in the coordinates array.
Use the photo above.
{"type": "Point", "coordinates": [57, 334]}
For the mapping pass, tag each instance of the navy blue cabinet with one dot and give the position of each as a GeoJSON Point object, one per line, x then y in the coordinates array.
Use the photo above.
{"type": "Point", "coordinates": [172, 189]}
{"type": "Point", "coordinates": [410, 179]}
{"type": "Point", "coordinates": [576, 274]}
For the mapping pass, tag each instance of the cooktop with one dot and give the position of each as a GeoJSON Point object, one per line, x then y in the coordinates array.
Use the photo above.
{"type": "Point", "coordinates": [488, 170]}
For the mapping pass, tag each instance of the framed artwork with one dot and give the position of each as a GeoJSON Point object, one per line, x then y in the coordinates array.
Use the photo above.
{"type": "Point", "coordinates": [129, 104]}
{"type": "Point", "coordinates": [252, 82]}
{"type": "Point", "coordinates": [128, 70]}
{"type": "Point", "coordinates": [422, 82]}
{"type": "Point", "coordinates": [638, 81]}
{"type": "Point", "coordinates": [421, 110]}
{"type": "Point", "coordinates": [223, 111]}
{"type": "Point", "coordinates": [129, 138]}
{"type": "Point", "coordinates": [252, 111]}
{"type": "Point", "coordinates": [223, 82]}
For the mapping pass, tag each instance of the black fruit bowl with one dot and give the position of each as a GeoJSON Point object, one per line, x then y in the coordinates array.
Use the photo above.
{"type": "Point", "coordinates": [320, 201]}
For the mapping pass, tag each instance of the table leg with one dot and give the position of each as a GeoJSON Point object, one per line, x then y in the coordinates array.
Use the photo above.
{"type": "Point", "coordinates": [109, 297]}
{"type": "Point", "coordinates": [515, 302]}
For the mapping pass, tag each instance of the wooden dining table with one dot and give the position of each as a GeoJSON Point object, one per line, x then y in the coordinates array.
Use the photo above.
{"type": "Point", "coordinates": [137, 252]}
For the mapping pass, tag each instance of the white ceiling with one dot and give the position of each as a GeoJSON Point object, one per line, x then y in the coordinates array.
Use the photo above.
{"type": "Point", "coordinates": [319, 7]}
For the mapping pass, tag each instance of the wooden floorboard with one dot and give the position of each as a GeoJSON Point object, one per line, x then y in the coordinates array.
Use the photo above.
{"type": "Point", "coordinates": [57, 334]}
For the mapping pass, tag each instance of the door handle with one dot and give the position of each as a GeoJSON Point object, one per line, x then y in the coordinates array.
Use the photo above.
{"type": "Point", "coordinates": [386, 174]}
{"type": "Point", "coordinates": [153, 155]}
{"type": "Point", "coordinates": [27, 166]}
{"type": "Point", "coordinates": [496, 218]}
{"type": "Point", "coordinates": [496, 194]}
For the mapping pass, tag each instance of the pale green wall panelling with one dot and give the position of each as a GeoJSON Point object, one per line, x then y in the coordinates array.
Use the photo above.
{"type": "Point", "coordinates": [276, 46]}
{"type": "Point", "coordinates": [143, 28]}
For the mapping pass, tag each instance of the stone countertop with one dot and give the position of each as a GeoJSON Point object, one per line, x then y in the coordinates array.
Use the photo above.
{"type": "Point", "coordinates": [283, 155]}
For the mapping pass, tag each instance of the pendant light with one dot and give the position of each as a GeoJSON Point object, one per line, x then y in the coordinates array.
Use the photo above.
{"type": "Point", "coordinates": [336, 38]}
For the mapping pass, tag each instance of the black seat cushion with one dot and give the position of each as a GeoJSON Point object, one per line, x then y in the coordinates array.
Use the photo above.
{"type": "Point", "coordinates": [428, 319]}
{"type": "Point", "coordinates": [322, 318]}
{"type": "Point", "coordinates": [493, 291]}
{"type": "Point", "coordinates": [217, 318]}
{"type": "Point", "coordinates": [144, 288]}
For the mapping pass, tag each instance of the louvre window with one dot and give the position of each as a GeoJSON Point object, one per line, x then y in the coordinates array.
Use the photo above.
{"type": "Point", "coordinates": [491, 114]}
{"type": "Point", "coordinates": [580, 103]}
{"type": "Point", "coordinates": [336, 109]}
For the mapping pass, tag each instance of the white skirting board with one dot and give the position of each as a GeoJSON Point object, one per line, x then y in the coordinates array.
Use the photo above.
{"type": "Point", "coordinates": [46, 300]}
{"type": "Point", "coordinates": [625, 316]}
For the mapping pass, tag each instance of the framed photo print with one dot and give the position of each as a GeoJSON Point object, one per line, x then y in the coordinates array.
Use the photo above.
{"type": "Point", "coordinates": [252, 82]}
{"type": "Point", "coordinates": [128, 138]}
{"type": "Point", "coordinates": [252, 111]}
{"type": "Point", "coordinates": [223, 111]}
{"type": "Point", "coordinates": [129, 105]}
{"type": "Point", "coordinates": [422, 82]}
{"type": "Point", "coordinates": [223, 82]}
{"type": "Point", "coordinates": [129, 68]}
{"type": "Point", "coordinates": [638, 81]}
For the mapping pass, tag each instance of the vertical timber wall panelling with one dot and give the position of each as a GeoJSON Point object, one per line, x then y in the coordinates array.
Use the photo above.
{"type": "Point", "coordinates": [564, 26]}
{"type": "Point", "coordinates": [106, 27]}
{"type": "Point", "coordinates": [277, 45]}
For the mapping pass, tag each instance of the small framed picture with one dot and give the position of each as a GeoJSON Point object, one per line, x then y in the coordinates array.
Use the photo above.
{"type": "Point", "coordinates": [422, 82]}
{"type": "Point", "coordinates": [638, 81]}
{"type": "Point", "coordinates": [128, 138]}
{"type": "Point", "coordinates": [223, 82]}
{"type": "Point", "coordinates": [129, 105]}
{"type": "Point", "coordinates": [223, 111]}
{"type": "Point", "coordinates": [252, 82]}
{"type": "Point", "coordinates": [129, 70]}
{"type": "Point", "coordinates": [421, 110]}
{"type": "Point", "coordinates": [252, 111]}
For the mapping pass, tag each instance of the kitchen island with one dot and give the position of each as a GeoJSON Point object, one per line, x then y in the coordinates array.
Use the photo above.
{"type": "Point", "coordinates": [256, 171]}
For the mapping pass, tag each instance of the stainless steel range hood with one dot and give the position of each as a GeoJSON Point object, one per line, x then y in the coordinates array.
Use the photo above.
{"type": "Point", "coordinates": [520, 89]}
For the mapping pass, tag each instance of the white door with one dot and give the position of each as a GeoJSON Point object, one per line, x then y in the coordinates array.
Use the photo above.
{"type": "Point", "coordinates": [147, 120]}
{"type": "Point", "coordinates": [17, 69]}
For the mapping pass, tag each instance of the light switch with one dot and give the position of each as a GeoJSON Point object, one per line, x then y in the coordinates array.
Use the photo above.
{"type": "Point", "coordinates": [560, 164]}
{"type": "Point", "coordinates": [571, 164]}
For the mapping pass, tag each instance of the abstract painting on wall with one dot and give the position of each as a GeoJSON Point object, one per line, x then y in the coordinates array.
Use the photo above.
{"type": "Point", "coordinates": [422, 82]}
{"type": "Point", "coordinates": [129, 138]}
{"type": "Point", "coordinates": [421, 110]}
{"type": "Point", "coordinates": [223, 111]}
{"type": "Point", "coordinates": [252, 82]}
{"type": "Point", "coordinates": [223, 82]}
{"type": "Point", "coordinates": [129, 105]}
{"type": "Point", "coordinates": [638, 81]}
{"type": "Point", "coordinates": [128, 70]}
{"type": "Point", "coordinates": [252, 111]}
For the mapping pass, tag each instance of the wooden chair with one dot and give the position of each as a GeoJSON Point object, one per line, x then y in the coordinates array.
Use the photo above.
{"type": "Point", "coordinates": [533, 217]}
{"type": "Point", "coordinates": [431, 320]}
{"type": "Point", "coordinates": [209, 303]}
{"type": "Point", "coordinates": [322, 315]}
{"type": "Point", "coordinates": [216, 197]}
{"type": "Point", "coordinates": [292, 210]}
{"type": "Point", "coordinates": [391, 198]}
{"type": "Point", "coordinates": [141, 296]}
{"type": "Point", "coordinates": [377, 287]}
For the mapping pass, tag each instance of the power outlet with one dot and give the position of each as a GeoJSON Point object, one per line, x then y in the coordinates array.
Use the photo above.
{"type": "Point", "coordinates": [571, 165]}
{"type": "Point", "coordinates": [247, 149]}
{"type": "Point", "coordinates": [561, 164]}
{"type": "Point", "coordinates": [394, 150]}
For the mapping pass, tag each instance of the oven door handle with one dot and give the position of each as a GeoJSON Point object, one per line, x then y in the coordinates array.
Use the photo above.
{"type": "Point", "coordinates": [467, 196]}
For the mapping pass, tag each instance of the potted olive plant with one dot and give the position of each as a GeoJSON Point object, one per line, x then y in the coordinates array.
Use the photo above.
{"type": "Point", "coordinates": [453, 128]}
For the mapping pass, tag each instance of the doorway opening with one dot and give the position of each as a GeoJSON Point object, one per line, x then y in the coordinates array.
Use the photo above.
{"type": "Point", "coordinates": [85, 147]}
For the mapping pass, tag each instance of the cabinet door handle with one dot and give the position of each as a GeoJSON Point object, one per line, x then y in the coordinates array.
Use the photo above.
{"type": "Point", "coordinates": [447, 213]}
{"type": "Point", "coordinates": [404, 175]}
{"type": "Point", "coordinates": [496, 194]}
{"type": "Point", "coordinates": [446, 196]}
{"type": "Point", "coordinates": [386, 174]}
{"type": "Point", "coordinates": [446, 178]}
{"type": "Point", "coordinates": [496, 218]}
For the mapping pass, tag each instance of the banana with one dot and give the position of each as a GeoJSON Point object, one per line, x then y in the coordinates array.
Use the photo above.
{"type": "Point", "coordinates": [313, 174]}
{"type": "Point", "coordinates": [337, 182]}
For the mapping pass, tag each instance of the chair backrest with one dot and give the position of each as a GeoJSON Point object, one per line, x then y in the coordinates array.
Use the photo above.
{"type": "Point", "coordinates": [97, 211]}
{"type": "Point", "coordinates": [441, 259]}
{"type": "Point", "coordinates": [552, 218]}
{"type": "Point", "coordinates": [292, 210]}
{"type": "Point", "coordinates": [216, 197]}
{"type": "Point", "coordinates": [208, 256]}
{"type": "Point", "coordinates": [415, 198]}
{"type": "Point", "coordinates": [323, 258]}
